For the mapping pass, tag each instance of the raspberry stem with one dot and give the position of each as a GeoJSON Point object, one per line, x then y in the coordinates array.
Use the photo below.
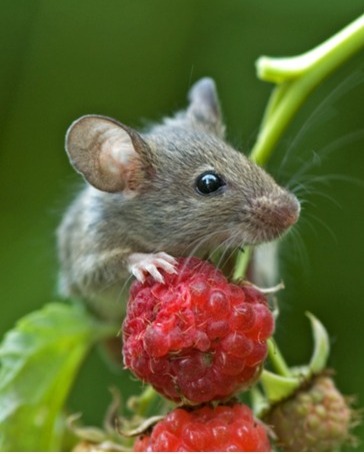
{"type": "Point", "coordinates": [277, 360]}
{"type": "Point", "coordinates": [142, 403]}
{"type": "Point", "coordinates": [242, 262]}
{"type": "Point", "coordinates": [296, 77]}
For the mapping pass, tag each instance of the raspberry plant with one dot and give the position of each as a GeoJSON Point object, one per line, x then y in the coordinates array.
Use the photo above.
{"type": "Point", "coordinates": [57, 338]}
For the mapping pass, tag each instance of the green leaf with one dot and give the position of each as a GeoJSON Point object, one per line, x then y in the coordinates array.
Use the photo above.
{"type": "Point", "coordinates": [39, 361]}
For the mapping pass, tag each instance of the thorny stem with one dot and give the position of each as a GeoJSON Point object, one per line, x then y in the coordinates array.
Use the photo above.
{"type": "Point", "coordinates": [296, 77]}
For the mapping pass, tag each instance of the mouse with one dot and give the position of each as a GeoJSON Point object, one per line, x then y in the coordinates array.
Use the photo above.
{"type": "Point", "coordinates": [176, 189]}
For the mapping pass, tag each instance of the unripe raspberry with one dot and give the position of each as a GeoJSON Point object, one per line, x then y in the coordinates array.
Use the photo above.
{"type": "Point", "coordinates": [223, 428]}
{"type": "Point", "coordinates": [316, 418]}
{"type": "Point", "coordinates": [196, 338]}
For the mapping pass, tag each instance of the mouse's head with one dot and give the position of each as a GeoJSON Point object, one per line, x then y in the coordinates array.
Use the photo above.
{"type": "Point", "coordinates": [182, 181]}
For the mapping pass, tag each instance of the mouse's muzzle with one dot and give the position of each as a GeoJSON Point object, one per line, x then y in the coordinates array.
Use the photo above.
{"type": "Point", "coordinates": [272, 215]}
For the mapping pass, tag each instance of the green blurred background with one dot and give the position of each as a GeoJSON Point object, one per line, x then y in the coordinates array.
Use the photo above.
{"type": "Point", "coordinates": [135, 60]}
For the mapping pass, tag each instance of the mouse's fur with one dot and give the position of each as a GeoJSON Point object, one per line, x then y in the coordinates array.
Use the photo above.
{"type": "Point", "coordinates": [141, 197]}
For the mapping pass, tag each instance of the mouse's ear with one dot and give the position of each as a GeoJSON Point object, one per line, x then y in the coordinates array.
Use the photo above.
{"type": "Point", "coordinates": [204, 108]}
{"type": "Point", "coordinates": [109, 155]}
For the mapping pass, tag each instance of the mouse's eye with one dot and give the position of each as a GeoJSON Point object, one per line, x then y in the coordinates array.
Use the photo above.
{"type": "Point", "coordinates": [209, 182]}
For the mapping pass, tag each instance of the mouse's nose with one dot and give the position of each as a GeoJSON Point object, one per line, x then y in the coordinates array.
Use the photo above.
{"type": "Point", "coordinates": [276, 212]}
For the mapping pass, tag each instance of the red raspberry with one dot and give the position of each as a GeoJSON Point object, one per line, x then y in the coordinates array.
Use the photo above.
{"type": "Point", "coordinates": [223, 428]}
{"type": "Point", "coordinates": [196, 338]}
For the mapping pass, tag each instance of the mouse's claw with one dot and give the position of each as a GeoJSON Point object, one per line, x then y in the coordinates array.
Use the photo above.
{"type": "Point", "coordinates": [141, 264]}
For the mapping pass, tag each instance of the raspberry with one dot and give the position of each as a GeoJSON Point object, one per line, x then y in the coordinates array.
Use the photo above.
{"type": "Point", "coordinates": [317, 418]}
{"type": "Point", "coordinates": [223, 428]}
{"type": "Point", "coordinates": [196, 338]}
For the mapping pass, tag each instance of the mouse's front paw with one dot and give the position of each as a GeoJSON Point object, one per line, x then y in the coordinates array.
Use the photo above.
{"type": "Point", "coordinates": [141, 264]}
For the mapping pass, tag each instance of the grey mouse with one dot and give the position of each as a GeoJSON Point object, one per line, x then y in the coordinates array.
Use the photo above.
{"type": "Point", "coordinates": [177, 189]}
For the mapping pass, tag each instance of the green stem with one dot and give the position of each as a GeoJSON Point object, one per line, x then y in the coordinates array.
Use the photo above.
{"type": "Point", "coordinates": [242, 262]}
{"type": "Point", "coordinates": [332, 52]}
{"type": "Point", "coordinates": [274, 100]}
{"type": "Point", "coordinates": [145, 400]}
{"type": "Point", "coordinates": [277, 359]}
{"type": "Point", "coordinates": [298, 76]}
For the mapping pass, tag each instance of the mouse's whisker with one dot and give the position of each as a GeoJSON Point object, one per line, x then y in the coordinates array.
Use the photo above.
{"type": "Point", "coordinates": [323, 112]}
{"type": "Point", "coordinates": [318, 157]}
{"type": "Point", "coordinates": [294, 248]}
